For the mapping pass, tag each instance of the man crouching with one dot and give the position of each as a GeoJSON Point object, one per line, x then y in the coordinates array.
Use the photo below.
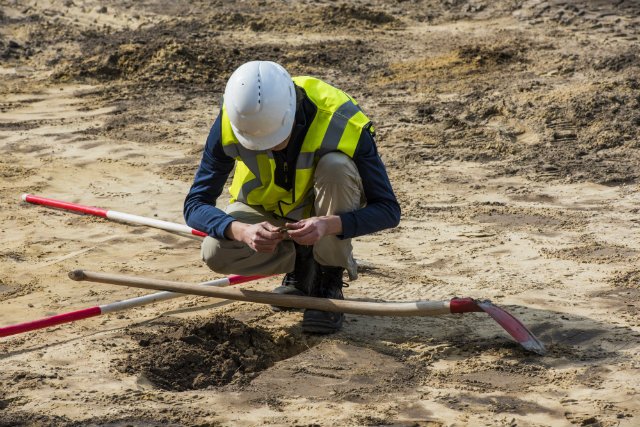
{"type": "Point", "coordinates": [307, 179]}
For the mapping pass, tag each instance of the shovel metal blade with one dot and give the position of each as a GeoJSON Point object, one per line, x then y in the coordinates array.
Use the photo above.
{"type": "Point", "coordinates": [513, 326]}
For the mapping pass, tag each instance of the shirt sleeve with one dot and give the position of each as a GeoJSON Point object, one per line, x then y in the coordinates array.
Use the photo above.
{"type": "Point", "coordinates": [382, 209]}
{"type": "Point", "coordinates": [200, 211]}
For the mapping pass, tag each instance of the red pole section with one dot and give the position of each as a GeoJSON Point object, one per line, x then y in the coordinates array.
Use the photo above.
{"type": "Point", "coordinates": [235, 280]}
{"type": "Point", "coordinates": [85, 313]}
{"type": "Point", "coordinates": [113, 215]}
{"type": "Point", "coordinates": [47, 322]}
{"type": "Point", "coordinates": [91, 210]}
{"type": "Point", "coordinates": [464, 305]}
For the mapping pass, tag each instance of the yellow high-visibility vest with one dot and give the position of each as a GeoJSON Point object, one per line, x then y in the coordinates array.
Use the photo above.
{"type": "Point", "coordinates": [336, 126]}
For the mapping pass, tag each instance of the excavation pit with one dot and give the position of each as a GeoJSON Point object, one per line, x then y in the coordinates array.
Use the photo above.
{"type": "Point", "coordinates": [180, 355]}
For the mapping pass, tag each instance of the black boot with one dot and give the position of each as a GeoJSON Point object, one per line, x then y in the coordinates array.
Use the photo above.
{"type": "Point", "coordinates": [300, 280]}
{"type": "Point", "coordinates": [328, 285]}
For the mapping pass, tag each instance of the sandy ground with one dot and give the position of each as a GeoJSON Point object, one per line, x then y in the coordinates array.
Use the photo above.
{"type": "Point", "coordinates": [510, 133]}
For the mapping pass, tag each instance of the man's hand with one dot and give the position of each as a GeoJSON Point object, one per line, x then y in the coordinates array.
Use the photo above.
{"type": "Point", "coordinates": [309, 231]}
{"type": "Point", "coordinates": [261, 237]}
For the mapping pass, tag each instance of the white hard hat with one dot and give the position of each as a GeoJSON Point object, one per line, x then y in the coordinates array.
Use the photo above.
{"type": "Point", "coordinates": [260, 100]}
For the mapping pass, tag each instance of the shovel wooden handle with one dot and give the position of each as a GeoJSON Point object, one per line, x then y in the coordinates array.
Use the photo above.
{"type": "Point", "coordinates": [403, 309]}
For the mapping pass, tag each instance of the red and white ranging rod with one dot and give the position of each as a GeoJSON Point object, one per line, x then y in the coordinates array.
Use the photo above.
{"type": "Point", "coordinates": [85, 313]}
{"type": "Point", "coordinates": [113, 215]}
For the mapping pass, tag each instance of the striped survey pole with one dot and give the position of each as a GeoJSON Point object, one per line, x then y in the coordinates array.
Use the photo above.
{"type": "Point", "coordinates": [113, 215]}
{"type": "Point", "coordinates": [85, 313]}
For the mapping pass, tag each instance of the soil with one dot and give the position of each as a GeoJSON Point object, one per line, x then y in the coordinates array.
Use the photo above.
{"type": "Point", "coordinates": [510, 133]}
{"type": "Point", "coordinates": [179, 356]}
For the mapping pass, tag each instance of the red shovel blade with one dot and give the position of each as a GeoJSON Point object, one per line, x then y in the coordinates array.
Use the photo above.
{"type": "Point", "coordinates": [514, 327]}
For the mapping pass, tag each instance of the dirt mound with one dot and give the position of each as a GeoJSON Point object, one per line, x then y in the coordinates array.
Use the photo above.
{"type": "Point", "coordinates": [10, 289]}
{"type": "Point", "coordinates": [197, 354]}
{"type": "Point", "coordinates": [19, 419]}
{"type": "Point", "coordinates": [595, 252]}
{"type": "Point", "coordinates": [346, 14]}
{"type": "Point", "coordinates": [10, 49]}
{"type": "Point", "coordinates": [339, 18]}
{"type": "Point", "coordinates": [437, 11]}
{"type": "Point", "coordinates": [185, 54]}
{"type": "Point", "coordinates": [172, 52]}
{"type": "Point", "coordinates": [618, 62]}
{"type": "Point", "coordinates": [493, 54]}
{"type": "Point", "coordinates": [604, 115]}
{"type": "Point", "coordinates": [453, 69]}
{"type": "Point", "coordinates": [627, 279]}
{"type": "Point", "coordinates": [574, 132]}
{"type": "Point", "coordinates": [621, 18]}
{"type": "Point", "coordinates": [588, 133]}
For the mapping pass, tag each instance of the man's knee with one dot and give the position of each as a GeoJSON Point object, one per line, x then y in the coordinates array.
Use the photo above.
{"type": "Point", "coordinates": [336, 167]}
{"type": "Point", "coordinates": [208, 252]}
{"type": "Point", "coordinates": [212, 255]}
{"type": "Point", "coordinates": [338, 186]}
{"type": "Point", "coordinates": [230, 257]}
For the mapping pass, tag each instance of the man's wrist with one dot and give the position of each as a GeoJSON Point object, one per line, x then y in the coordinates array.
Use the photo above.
{"type": "Point", "coordinates": [334, 224]}
{"type": "Point", "coordinates": [234, 230]}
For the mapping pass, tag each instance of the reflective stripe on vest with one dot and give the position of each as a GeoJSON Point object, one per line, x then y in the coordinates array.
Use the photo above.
{"type": "Point", "coordinates": [337, 126]}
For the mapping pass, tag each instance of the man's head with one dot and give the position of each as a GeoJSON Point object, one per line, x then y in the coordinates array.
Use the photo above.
{"type": "Point", "coordinates": [260, 101]}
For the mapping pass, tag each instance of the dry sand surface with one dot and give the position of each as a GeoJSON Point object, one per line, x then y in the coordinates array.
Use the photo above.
{"type": "Point", "coordinates": [510, 132]}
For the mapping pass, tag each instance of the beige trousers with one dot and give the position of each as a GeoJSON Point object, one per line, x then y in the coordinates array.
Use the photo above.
{"type": "Point", "coordinates": [337, 188]}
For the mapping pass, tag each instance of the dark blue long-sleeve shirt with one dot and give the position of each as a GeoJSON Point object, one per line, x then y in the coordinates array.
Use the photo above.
{"type": "Point", "coordinates": [381, 211]}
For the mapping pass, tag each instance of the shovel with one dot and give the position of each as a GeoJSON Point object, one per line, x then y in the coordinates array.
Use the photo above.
{"type": "Point", "coordinates": [513, 326]}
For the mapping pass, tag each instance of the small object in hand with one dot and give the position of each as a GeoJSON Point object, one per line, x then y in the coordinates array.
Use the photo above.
{"type": "Point", "coordinates": [285, 231]}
